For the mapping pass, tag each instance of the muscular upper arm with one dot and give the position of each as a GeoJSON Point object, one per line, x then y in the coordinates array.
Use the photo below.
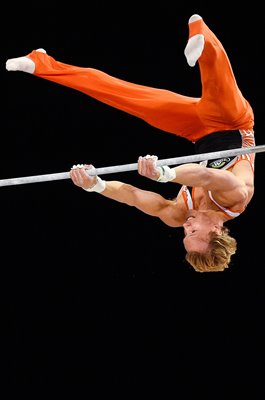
{"type": "Point", "coordinates": [150, 203]}
{"type": "Point", "coordinates": [221, 180]}
{"type": "Point", "coordinates": [234, 186]}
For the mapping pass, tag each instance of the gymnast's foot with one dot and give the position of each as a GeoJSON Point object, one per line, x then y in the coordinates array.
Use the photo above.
{"type": "Point", "coordinates": [23, 64]}
{"type": "Point", "coordinates": [195, 44]}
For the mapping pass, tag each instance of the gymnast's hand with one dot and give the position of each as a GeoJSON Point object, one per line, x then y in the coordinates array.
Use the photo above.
{"type": "Point", "coordinates": [147, 167]}
{"type": "Point", "coordinates": [81, 178]}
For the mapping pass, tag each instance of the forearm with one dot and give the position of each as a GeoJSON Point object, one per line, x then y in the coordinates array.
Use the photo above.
{"type": "Point", "coordinates": [191, 175]}
{"type": "Point", "coordinates": [208, 178]}
{"type": "Point", "coordinates": [187, 174]}
{"type": "Point", "coordinates": [119, 191]}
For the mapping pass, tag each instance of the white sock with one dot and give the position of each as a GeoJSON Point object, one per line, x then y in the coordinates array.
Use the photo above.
{"type": "Point", "coordinates": [194, 49]}
{"type": "Point", "coordinates": [194, 17]}
{"type": "Point", "coordinates": [23, 64]}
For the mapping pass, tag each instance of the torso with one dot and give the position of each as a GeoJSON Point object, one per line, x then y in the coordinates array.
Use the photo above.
{"type": "Point", "coordinates": [200, 199]}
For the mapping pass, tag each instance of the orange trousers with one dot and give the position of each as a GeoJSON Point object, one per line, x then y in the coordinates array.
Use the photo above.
{"type": "Point", "coordinates": [221, 106]}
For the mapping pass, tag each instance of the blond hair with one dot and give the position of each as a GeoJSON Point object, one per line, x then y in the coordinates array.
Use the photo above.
{"type": "Point", "coordinates": [217, 259]}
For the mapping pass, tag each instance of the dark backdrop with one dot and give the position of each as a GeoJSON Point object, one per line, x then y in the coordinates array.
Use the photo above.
{"type": "Point", "coordinates": [94, 293]}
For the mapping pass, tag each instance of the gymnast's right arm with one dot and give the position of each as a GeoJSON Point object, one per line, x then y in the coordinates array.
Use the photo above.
{"type": "Point", "coordinates": [148, 202]}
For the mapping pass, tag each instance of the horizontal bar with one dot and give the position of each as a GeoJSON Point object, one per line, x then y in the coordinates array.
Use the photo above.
{"type": "Point", "coordinates": [134, 166]}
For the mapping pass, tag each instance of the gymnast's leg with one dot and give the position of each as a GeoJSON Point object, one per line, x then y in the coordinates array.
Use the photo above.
{"type": "Point", "coordinates": [160, 108]}
{"type": "Point", "coordinates": [222, 106]}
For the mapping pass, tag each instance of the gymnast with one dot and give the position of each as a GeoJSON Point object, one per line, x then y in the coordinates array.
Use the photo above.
{"type": "Point", "coordinates": [211, 192]}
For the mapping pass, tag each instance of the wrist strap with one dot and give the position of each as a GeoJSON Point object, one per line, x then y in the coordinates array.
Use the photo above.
{"type": "Point", "coordinates": [99, 186]}
{"type": "Point", "coordinates": [166, 174]}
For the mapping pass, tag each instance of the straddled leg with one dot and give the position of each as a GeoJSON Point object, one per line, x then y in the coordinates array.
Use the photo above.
{"type": "Point", "coordinates": [163, 109]}
{"type": "Point", "coordinates": [222, 105]}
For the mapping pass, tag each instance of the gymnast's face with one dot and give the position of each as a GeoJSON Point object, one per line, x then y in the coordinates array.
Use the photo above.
{"type": "Point", "coordinates": [197, 229]}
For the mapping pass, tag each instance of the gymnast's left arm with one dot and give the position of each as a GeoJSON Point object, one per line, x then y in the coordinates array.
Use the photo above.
{"type": "Point", "coordinates": [233, 186]}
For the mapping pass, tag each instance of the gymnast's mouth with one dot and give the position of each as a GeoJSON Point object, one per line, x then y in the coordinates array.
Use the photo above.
{"type": "Point", "coordinates": [190, 234]}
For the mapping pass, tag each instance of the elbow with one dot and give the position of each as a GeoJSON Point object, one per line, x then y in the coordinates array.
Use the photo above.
{"type": "Point", "coordinates": [136, 197]}
{"type": "Point", "coordinates": [206, 177]}
{"type": "Point", "coordinates": [244, 195]}
{"type": "Point", "coordinates": [132, 197]}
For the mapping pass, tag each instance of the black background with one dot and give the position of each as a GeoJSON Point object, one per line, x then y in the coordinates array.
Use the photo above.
{"type": "Point", "coordinates": [96, 294]}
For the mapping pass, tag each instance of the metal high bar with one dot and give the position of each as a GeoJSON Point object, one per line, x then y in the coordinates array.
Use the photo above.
{"type": "Point", "coordinates": [134, 166]}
